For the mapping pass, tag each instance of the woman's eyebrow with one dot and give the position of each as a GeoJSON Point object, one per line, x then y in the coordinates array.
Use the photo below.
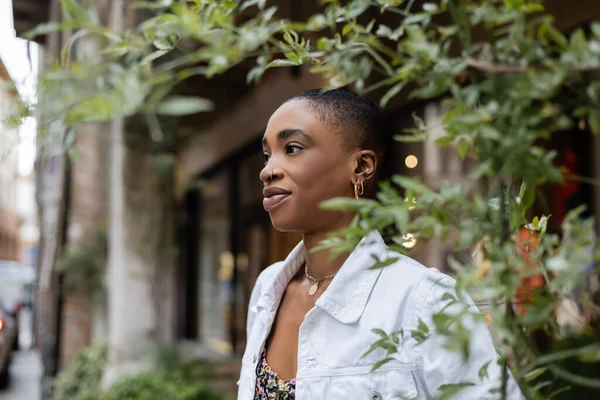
{"type": "Point", "coordinates": [287, 133]}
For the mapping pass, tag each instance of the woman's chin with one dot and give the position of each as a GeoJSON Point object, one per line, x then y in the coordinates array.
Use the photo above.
{"type": "Point", "coordinates": [283, 227]}
{"type": "Point", "coordinates": [282, 224]}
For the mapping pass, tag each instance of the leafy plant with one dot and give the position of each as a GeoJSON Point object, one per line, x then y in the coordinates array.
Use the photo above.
{"type": "Point", "coordinates": [160, 385]}
{"type": "Point", "coordinates": [81, 380]}
{"type": "Point", "coordinates": [173, 378]}
{"type": "Point", "coordinates": [510, 83]}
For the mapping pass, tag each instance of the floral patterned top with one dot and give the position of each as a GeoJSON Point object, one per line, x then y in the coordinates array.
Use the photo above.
{"type": "Point", "coordinates": [271, 386]}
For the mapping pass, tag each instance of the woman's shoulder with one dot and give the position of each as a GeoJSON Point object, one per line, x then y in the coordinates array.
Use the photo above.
{"type": "Point", "coordinates": [270, 272]}
{"type": "Point", "coordinates": [409, 272]}
{"type": "Point", "coordinates": [265, 279]}
{"type": "Point", "coordinates": [410, 281]}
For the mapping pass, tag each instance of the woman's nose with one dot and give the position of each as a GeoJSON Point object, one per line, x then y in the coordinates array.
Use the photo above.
{"type": "Point", "coordinates": [269, 173]}
{"type": "Point", "coordinates": [265, 174]}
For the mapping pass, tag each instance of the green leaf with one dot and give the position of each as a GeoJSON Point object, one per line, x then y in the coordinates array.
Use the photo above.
{"type": "Point", "coordinates": [397, 335]}
{"type": "Point", "coordinates": [448, 296]}
{"type": "Point", "coordinates": [436, 86]}
{"type": "Point", "coordinates": [447, 31]}
{"type": "Point", "coordinates": [451, 390]}
{"type": "Point", "coordinates": [181, 105]}
{"type": "Point", "coordinates": [317, 22]}
{"type": "Point", "coordinates": [384, 263]}
{"type": "Point", "coordinates": [444, 141]}
{"type": "Point", "coordinates": [152, 5]}
{"type": "Point", "coordinates": [282, 63]}
{"type": "Point", "coordinates": [347, 28]}
{"type": "Point", "coordinates": [532, 8]}
{"type": "Point", "coordinates": [559, 391]}
{"type": "Point", "coordinates": [578, 43]}
{"type": "Point", "coordinates": [526, 196]}
{"type": "Point", "coordinates": [258, 3]}
{"type": "Point", "coordinates": [292, 56]}
{"type": "Point", "coordinates": [413, 184]}
{"type": "Point", "coordinates": [347, 204]}
{"type": "Point", "coordinates": [268, 14]}
{"type": "Point", "coordinates": [532, 375]}
{"type": "Point", "coordinates": [380, 332]}
{"type": "Point", "coordinates": [377, 345]}
{"type": "Point", "coordinates": [591, 354]}
{"type": "Point", "coordinates": [48, 27]}
{"type": "Point", "coordinates": [462, 147]}
{"type": "Point", "coordinates": [416, 18]}
{"type": "Point", "coordinates": [596, 29]}
{"type": "Point", "coordinates": [153, 56]}
{"type": "Point", "coordinates": [393, 91]}
{"type": "Point", "coordinates": [483, 371]}
{"type": "Point", "coordinates": [490, 132]}
{"type": "Point", "coordinates": [74, 11]}
{"type": "Point", "coordinates": [387, 32]}
{"type": "Point", "coordinates": [380, 363]}
{"type": "Point", "coordinates": [163, 44]}
{"type": "Point", "coordinates": [430, 7]}
{"type": "Point", "coordinates": [547, 31]}
{"type": "Point", "coordinates": [423, 326]}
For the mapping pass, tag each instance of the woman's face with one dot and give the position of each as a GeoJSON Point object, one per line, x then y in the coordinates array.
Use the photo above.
{"type": "Point", "coordinates": [305, 164]}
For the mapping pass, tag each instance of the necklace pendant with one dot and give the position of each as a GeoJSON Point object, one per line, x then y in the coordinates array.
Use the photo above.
{"type": "Point", "coordinates": [313, 288]}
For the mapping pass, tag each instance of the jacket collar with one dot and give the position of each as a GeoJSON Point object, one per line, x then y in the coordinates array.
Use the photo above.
{"type": "Point", "coordinates": [346, 297]}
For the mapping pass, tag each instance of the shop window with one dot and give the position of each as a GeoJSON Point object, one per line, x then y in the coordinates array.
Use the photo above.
{"type": "Point", "coordinates": [216, 264]}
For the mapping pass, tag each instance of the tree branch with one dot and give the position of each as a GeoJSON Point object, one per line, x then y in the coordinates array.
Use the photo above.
{"type": "Point", "coordinates": [579, 380]}
{"type": "Point", "coordinates": [501, 68]}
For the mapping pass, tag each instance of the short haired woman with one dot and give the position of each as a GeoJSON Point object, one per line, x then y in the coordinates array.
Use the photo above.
{"type": "Point", "coordinates": [311, 317]}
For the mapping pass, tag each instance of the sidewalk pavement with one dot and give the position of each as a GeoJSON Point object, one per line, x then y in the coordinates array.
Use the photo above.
{"type": "Point", "coordinates": [25, 378]}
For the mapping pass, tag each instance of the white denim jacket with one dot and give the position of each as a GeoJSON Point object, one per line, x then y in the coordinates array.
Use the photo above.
{"type": "Point", "coordinates": [338, 331]}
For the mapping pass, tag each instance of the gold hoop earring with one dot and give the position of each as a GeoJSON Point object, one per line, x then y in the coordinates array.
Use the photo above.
{"type": "Point", "coordinates": [359, 189]}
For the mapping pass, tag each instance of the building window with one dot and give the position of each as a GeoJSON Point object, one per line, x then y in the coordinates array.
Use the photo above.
{"type": "Point", "coordinates": [216, 264]}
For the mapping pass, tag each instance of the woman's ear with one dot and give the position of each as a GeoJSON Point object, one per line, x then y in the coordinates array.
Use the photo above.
{"type": "Point", "coordinates": [365, 166]}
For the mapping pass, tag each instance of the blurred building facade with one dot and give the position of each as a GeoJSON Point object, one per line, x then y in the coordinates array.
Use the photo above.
{"type": "Point", "coordinates": [225, 238]}
{"type": "Point", "coordinates": [29, 233]}
{"type": "Point", "coordinates": [71, 208]}
{"type": "Point", "coordinates": [10, 223]}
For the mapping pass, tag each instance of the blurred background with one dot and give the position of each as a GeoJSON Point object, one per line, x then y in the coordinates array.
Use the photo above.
{"type": "Point", "coordinates": [62, 293]}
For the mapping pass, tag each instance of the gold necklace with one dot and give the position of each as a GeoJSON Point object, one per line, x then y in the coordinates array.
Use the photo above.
{"type": "Point", "coordinates": [315, 286]}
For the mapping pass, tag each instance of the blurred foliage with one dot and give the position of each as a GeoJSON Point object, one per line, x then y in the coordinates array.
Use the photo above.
{"type": "Point", "coordinates": [514, 85]}
{"type": "Point", "coordinates": [174, 378]}
{"type": "Point", "coordinates": [160, 385]}
{"type": "Point", "coordinates": [576, 366]}
{"type": "Point", "coordinates": [83, 265]}
{"type": "Point", "coordinates": [81, 380]}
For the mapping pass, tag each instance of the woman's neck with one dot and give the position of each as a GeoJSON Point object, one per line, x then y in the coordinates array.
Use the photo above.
{"type": "Point", "coordinates": [320, 263]}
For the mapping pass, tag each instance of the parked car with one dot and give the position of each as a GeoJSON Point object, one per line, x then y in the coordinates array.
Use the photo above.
{"type": "Point", "coordinates": [12, 291]}
{"type": "Point", "coordinates": [8, 335]}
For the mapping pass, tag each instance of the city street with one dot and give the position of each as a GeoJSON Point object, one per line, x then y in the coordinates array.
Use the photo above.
{"type": "Point", "coordinates": [26, 368]}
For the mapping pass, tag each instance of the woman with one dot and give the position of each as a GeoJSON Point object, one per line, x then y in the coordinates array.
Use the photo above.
{"type": "Point", "coordinates": [311, 317]}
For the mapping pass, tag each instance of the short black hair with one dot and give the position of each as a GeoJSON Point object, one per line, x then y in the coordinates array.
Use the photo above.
{"type": "Point", "coordinates": [359, 120]}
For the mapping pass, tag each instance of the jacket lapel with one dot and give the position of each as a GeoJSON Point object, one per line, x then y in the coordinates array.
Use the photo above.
{"type": "Point", "coordinates": [346, 297]}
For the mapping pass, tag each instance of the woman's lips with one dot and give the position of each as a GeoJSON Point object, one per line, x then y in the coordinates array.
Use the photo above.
{"type": "Point", "coordinates": [273, 197]}
{"type": "Point", "coordinates": [269, 203]}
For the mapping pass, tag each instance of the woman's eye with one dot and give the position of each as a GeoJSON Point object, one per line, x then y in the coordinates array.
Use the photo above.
{"type": "Point", "coordinates": [292, 148]}
{"type": "Point", "coordinates": [266, 157]}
